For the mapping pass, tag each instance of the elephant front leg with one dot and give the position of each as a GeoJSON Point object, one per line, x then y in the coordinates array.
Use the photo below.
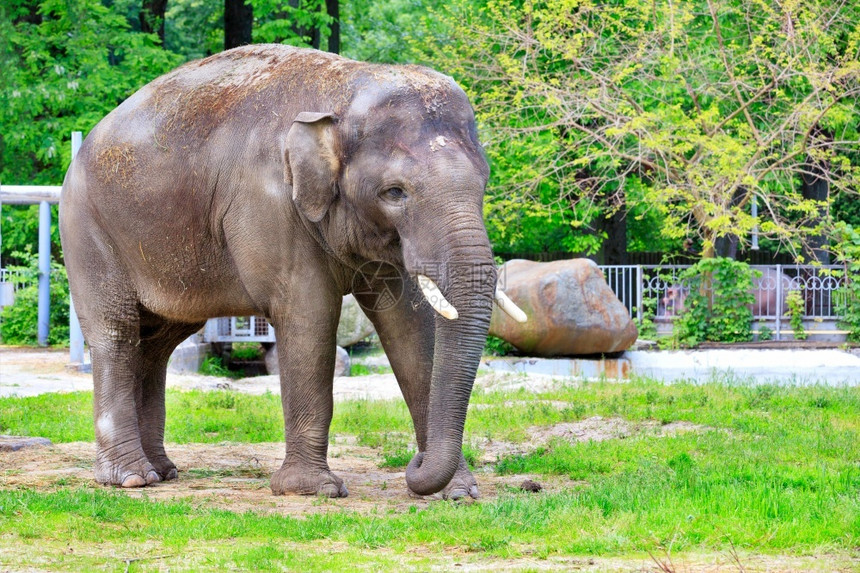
{"type": "Point", "coordinates": [306, 356]}
{"type": "Point", "coordinates": [406, 330]}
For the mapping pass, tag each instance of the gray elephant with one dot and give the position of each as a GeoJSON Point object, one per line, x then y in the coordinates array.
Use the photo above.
{"type": "Point", "coordinates": [273, 180]}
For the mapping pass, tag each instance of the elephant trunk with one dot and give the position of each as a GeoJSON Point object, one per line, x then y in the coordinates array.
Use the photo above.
{"type": "Point", "coordinates": [467, 281]}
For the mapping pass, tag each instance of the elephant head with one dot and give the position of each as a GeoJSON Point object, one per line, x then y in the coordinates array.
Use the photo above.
{"type": "Point", "coordinates": [398, 175]}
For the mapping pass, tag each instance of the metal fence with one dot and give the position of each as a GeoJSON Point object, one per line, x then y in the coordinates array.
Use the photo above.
{"type": "Point", "coordinates": [659, 291]}
{"type": "Point", "coordinates": [16, 278]}
{"type": "Point", "coordinates": [655, 290]}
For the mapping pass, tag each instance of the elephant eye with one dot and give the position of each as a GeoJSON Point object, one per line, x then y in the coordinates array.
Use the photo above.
{"type": "Point", "coordinates": [394, 194]}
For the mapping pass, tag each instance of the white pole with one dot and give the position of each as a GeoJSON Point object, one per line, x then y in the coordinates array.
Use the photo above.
{"type": "Point", "coordinates": [754, 214]}
{"type": "Point", "coordinates": [76, 337]}
{"type": "Point", "coordinates": [44, 312]}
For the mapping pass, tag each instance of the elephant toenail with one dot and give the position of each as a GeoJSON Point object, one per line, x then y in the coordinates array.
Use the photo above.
{"type": "Point", "coordinates": [133, 480]}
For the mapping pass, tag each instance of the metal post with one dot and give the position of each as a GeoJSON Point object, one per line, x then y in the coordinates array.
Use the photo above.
{"type": "Point", "coordinates": [76, 337]}
{"type": "Point", "coordinates": [639, 293]}
{"type": "Point", "coordinates": [44, 272]}
{"type": "Point", "coordinates": [779, 295]}
{"type": "Point", "coordinates": [754, 214]}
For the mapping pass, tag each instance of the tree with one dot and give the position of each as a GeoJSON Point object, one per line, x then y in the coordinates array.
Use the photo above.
{"type": "Point", "coordinates": [702, 105]}
{"type": "Point", "coordinates": [332, 8]}
{"type": "Point", "coordinates": [297, 22]}
{"type": "Point", "coordinates": [238, 23]}
{"type": "Point", "coordinates": [152, 17]}
{"type": "Point", "coordinates": [65, 65]}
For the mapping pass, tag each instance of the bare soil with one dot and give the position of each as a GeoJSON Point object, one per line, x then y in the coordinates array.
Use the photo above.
{"type": "Point", "coordinates": [236, 477]}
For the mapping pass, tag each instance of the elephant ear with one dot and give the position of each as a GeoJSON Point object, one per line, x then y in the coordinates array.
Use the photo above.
{"type": "Point", "coordinates": [311, 163]}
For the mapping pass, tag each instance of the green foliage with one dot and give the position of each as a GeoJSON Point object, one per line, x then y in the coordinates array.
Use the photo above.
{"type": "Point", "coordinates": [647, 327]}
{"type": "Point", "coordinates": [246, 351]}
{"type": "Point", "coordinates": [20, 227]}
{"type": "Point", "coordinates": [678, 113]}
{"type": "Point", "coordinates": [495, 346]}
{"type": "Point", "coordinates": [717, 307]}
{"type": "Point", "coordinates": [194, 28]}
{"type": "Point", "coordinates": [359, 369]}
{"type": "Point", "coordinates": [847, 254]}
{"type": "Point", "coordinates": [377, 31]}
{"type": "Point", "coordinates": [796, 308]}
{"type": "Point", "coordinates": [66, 64]}
{"type": "Point", "coordinates": [765, 334]}
{"type": "Point", "coordinates": [398, 457]}
{"type": "Point", "coordinates": [214, 366]}
{"type": "Point", "coordinates": [19, 323]}
{"type": "Point", "coordinates": [289, 21]}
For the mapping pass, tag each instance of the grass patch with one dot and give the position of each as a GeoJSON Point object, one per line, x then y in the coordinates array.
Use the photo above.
{"type": "Point", "coordinates": [246, 351]}
{"type": "Point", "coordinates": [359, 369]}
{"type": "Point", "coordinates": [214, 366]}
{"type": "Point", "coordinates": [770, 469]}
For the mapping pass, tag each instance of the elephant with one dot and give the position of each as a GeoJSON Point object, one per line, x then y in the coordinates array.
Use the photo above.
{"type": "Point", "coordinates": [272, 180]}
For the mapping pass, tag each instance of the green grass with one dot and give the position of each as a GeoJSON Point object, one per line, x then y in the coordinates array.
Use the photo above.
{"type": "Point", "coordinates": [777, 469]}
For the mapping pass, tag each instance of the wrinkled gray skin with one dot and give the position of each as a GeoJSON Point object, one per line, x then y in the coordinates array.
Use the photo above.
{"type": "Point", "coordinates": [258, 181]}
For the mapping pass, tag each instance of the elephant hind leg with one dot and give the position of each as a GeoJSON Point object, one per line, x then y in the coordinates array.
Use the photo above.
{"type": "Point", "coordinates": [158, 339]}
{"type": "Point", "coordinates": [111, 326]}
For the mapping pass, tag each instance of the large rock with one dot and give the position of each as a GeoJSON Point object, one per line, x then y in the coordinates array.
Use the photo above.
{"type": "Point", "coordinates": [571, 310]}
{"type": "Point", "coordinates": [15, 443]}
{"type": "Point", "coordinates": [354, 325]}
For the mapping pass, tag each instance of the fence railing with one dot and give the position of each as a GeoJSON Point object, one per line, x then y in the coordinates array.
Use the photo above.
{"type": "Point", "coordinates": [659, 289]}
{"type": "Point", "coordinates": [659, 292]}
{"type": "Point", "coordinates": [15, 278]}
{"type": "Point", "coordinates": [655, 290]}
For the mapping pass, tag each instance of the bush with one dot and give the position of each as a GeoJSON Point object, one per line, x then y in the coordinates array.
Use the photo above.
{"type": "Point", "coordinates": [847, 251]}
{"type": "Point", "coordinates": [497, 347]}
{"type": "Point", "coordinates": [717, 307]}
{"type": "Point", "coordinates": [19, 323]}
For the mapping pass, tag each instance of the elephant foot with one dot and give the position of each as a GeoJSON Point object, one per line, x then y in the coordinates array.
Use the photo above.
{"type": "Point", "coordinates": [138, 474]}
{"type": "Point", "coordinates": [299, 479]}
{"type": "Point", "coordinates": [462, 486]}
{"type": "Point", "coordinates": [164, 467]}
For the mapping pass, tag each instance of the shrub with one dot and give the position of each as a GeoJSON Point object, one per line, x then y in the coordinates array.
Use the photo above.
{"type": "Point", "coordinates": [19, 322]}
{"type": "Point", "coordinates": [717, 307]}
{"type": "Point", "coordinates": [497, 347]}
{"type": "Point", "coordinates": [847, 251]}
{"type": "Point", "coordinates": [796, 304]}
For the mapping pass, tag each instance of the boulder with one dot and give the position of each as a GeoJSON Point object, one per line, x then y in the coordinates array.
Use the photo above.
{"type": "Point", "coordinates": [15, 443]}
{"type": "Point", "coordinates": [571, 310]}
{"type": "Point", "coordinates": [342, 364]}
{"type": "Point", "coordinates": [354, 325]}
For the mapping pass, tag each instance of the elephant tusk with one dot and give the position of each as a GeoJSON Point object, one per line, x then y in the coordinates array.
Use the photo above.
{"type": "Point", "coordinates": [507, 305]}
{"type": "Point", "coordinates": [436, 299]}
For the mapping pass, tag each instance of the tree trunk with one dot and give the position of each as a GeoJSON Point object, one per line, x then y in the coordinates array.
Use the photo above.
{"type": "Point", "coordinates": [151, 18]}
{"type": "Point", "coordinates": [238, 20]}
{"type": "Point", "coordinates": [316, 38]}
{"type": "Point", "coordinates": [814, 186]}
{"type": "Point", "coordinates": [333, 9]}
{"type": "Point", "coordinates": [615, 245]}
{"type": "Point", "coordinates": [727, 245]}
